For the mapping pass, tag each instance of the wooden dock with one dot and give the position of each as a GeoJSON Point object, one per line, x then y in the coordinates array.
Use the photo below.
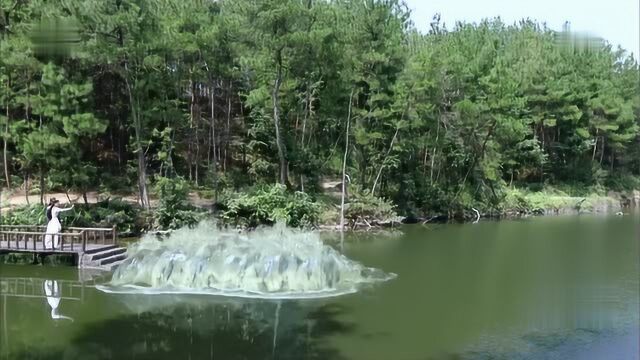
{"type": "Point", "coordinates": [91, 247]}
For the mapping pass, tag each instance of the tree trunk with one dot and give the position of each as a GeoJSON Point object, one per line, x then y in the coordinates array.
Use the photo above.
{"type": "Point", "coordinates": [611, 160]}
{"type": "Point", "coordinates": [4, 153]}
{"type": "Point", "coordinates": [425, 154]}
{"type": "Point", "coordinates": [276, 119]}
{"type": "Point", "coordinates": [344, 164]}
{"type": "Point", "coordinates": [393, 140]}
{"type": "Point", "coordinates": [26, 187]}
{"type": "Point", "coordinates": [476, 157]}
{"type": "Point", "coordinates": [595, 147]}
{"type": "Point", "coordinates": [541, 163]}
{"type": "Point", "coordinates": [307, 111]}
{"type": "Point", "coordinates": [194, 125]}
{"type": "Point", "coordinates": [4, 145]}
{"type": "Point", "coordinates": [434, 153]}
{"type": "Point", "coordinates": [142, 179]}
{"type": "Point", "coordinates": [227, 136]}
{"type": "Point", "coordinates": [27, 106]}
{"type": "Point", "coordinates": [142, 166]}
{"type": "Point", "coordinates": [213, 125]}
{"type": "Point", "coordinates": [169, 171]}
{"type": "Point", "coordinates": [305, 117]}
{"type": "Point", "coordinates": [375, 182]}
{"type": "Point", "coordinates": [42, 189]}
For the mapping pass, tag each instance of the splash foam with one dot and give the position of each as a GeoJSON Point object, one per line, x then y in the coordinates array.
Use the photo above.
{"type": "Point", "coordinates": [275, 262]}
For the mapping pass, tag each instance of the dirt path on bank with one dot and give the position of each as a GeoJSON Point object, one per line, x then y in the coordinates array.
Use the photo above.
{"type": "Point", "coordinates": [10, 200]}
{"type": "Point", "coordinates": [16, 199]}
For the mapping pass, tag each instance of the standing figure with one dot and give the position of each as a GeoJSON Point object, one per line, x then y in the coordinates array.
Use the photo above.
{"type": "Point", "coordinates": [52, 241]}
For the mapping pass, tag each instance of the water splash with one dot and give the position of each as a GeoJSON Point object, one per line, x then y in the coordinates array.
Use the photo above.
{"type": "Point", "coordinates": [276, 262]}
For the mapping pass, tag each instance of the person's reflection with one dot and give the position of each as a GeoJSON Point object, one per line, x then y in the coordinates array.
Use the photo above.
{"type": "Point", "coordinates": [52, 290]}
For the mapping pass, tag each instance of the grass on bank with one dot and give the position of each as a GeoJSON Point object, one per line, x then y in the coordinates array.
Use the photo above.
{"type": "Point", "coordinates": [553, 200]}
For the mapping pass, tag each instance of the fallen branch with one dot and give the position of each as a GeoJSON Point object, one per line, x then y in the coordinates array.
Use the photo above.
{"type": "Point", "coordinates": [430, 219]}
{"type": "Point", "coordinates": [477, 215]}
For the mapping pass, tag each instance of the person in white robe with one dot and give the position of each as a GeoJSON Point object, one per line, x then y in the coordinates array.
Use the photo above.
{"type": "Point", "coordinates": [51, 239]}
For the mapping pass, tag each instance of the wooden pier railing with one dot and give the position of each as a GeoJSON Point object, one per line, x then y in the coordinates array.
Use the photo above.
{"type": "Point", "coordinates": [72, 239]}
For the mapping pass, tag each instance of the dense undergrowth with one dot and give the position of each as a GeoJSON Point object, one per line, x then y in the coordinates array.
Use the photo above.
{"type": "Point", "coordinates": [268, 204]}
{"type": "Point", "coordinates": [173, 212]}
{"type": "Point", "coordinates": [128, 218]}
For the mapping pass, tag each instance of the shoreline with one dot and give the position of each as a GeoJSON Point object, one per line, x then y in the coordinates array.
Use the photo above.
{"type": "Point", "coordinates": [516, 205]}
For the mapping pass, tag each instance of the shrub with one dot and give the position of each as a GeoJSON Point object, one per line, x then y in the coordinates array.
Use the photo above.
{"type": "Point", "coordinates": [175, 211]}
{"type": "Point", "coordinates": [207, 194]}
{"type": "Point", "coordinates": [124, 215]}
{"type": "Point", "coordinates": [624, 182]}
{"type": "Point", "coordinates": [33, 214]}
{"type": "Point", "coordinates": [517, 201]}
{"type": "Point", "coordinates": [367, 207]}
{"type": "Point", "coordinates": [115, 184]}
{"type": "Point", "coordinates": [269, 204]}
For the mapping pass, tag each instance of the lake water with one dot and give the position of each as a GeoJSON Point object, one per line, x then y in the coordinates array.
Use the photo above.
{"type": "Point", "coordinates": [544, 288]}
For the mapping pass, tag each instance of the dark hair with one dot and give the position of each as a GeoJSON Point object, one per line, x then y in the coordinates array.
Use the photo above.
{"type": "Point", "coordinates": [52, 202]}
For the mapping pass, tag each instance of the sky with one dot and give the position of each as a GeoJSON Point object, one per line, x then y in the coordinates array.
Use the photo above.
{"type": "Point", "coordinates": [617, 21]}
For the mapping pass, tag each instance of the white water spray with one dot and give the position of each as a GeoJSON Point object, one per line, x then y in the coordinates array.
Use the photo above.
{"type": "Point", "coordinates": [273, 262]}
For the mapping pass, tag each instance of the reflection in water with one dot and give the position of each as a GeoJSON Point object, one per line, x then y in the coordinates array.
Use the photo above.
{"type": "Point", "coordinates": [22, 318]}
{"type": "Point", "coordinates": [188, 327]}
{"type": "Point", "coordinates": [537, 289]}
{"type": "Point", "coordinates": [52, 290]}
{"type": "Point", "coordinates": [218, 326]}
{"type": "Point", "coordinates": [5, 332]}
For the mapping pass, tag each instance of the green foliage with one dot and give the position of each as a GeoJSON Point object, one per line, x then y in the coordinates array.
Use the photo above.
{"type": "Point", "coordinates": [551, 199]}
{"type": "Point", "coordinates": [233, 94]}
{"type": "Point", "coordinates": [25, 215]}
{"type": "Point", "coordinates": [174, 210]}
{"type": "Point", "coordinates": [624, 182]}
{"type": "Point", "coordinates": [364, 206]}
{"type": "Point", "coordinates": [126, 217]}
{"type": "Point", "coordinates": [517, 201]}
{"type": "Point", "coordinates": [110, 184]}
{"type": "Point", "coordinates": [270, 204]}
{"type": "Point", "coordinates": [28, 259]}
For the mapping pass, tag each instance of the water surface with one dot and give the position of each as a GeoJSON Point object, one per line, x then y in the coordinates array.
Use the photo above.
{"type": "Point", "coordinates": [546, 288]}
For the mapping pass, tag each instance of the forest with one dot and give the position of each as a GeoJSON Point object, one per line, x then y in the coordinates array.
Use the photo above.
{"type": "Point", "coordinates": [226, 98]}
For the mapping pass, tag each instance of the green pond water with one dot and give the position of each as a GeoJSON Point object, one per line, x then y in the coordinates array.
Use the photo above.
{"type": "Point", "coordinates": [544, 288]}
